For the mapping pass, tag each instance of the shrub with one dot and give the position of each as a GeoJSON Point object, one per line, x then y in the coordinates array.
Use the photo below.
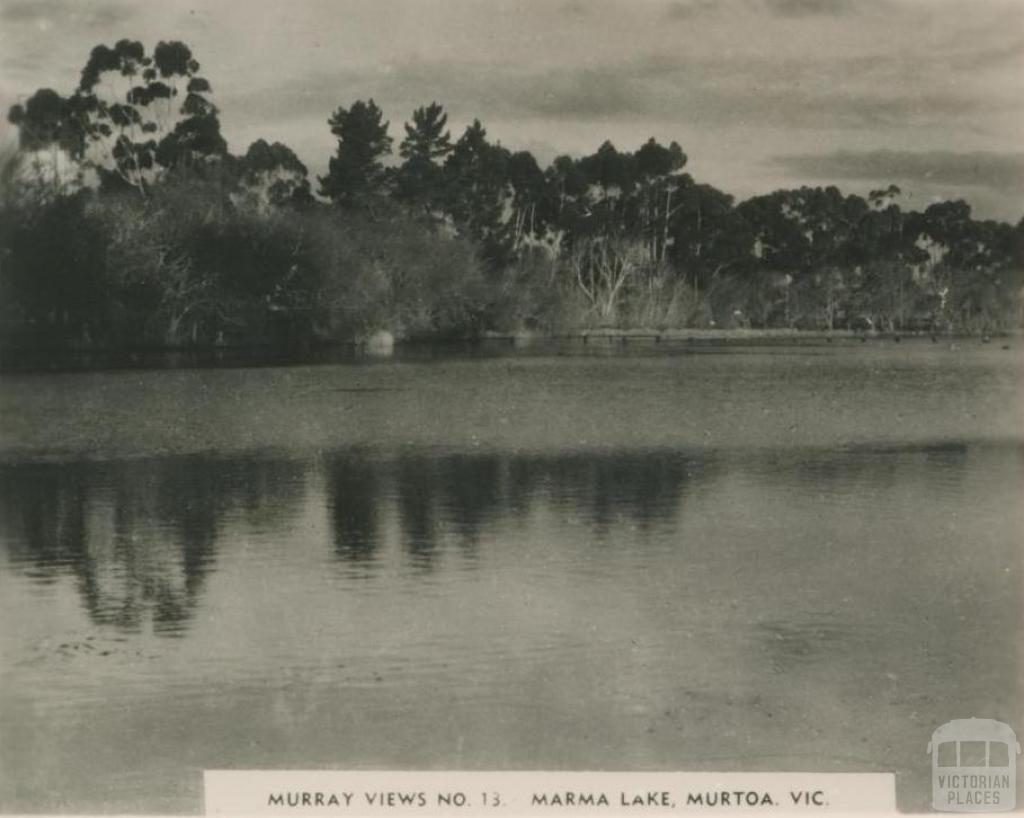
{"type": "Point", "coordinates": [52, 279]}
{"type": "Point", "coordinates": [397, 275]}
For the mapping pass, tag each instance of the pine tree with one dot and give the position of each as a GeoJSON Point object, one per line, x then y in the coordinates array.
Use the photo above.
{"type": "Point", "coordinates": [426, 137]}
{"type": "Point", "coordinates": [419, 179]}
{"type": "Point", "coordinates": [356, 172]}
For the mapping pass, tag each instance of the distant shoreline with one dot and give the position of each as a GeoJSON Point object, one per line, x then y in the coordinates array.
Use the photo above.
{"type": "Point", "coordinates": [29, 359]}
{"type": "Point", "coordinates": [713, 334]}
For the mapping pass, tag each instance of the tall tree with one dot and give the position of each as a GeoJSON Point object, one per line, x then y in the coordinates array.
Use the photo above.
{"type": "Point", "coordinates": [476, 187]}
{"type": "Point", "coordinates": [356, 171]}
{"type": "Point", "coordinates": [528, 193]}
{"type": "Point", "coordinates": [658, 170]}
{"type": "Point", "coordinates": [707, 237]}
{"type": "Point", "coordinates": [426, 142]}
{"type": "Point", "coordinates": [46, 121]}
{"type": "Point", "coordinates": [427, 136]}
{"type": "Point", "coordinates": [124, 120]}
{"type": "Point", "coordinates": [567, 195]}
{"type": "Point", "coordinates": [51, 131]}
{"type": "Point", "coordinates": [135, 122]}
{"type": "Point", "coordinates": [272, 176]}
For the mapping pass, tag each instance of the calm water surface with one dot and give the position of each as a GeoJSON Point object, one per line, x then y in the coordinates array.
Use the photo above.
{"type": "Point", "coordinates": [768, 559]}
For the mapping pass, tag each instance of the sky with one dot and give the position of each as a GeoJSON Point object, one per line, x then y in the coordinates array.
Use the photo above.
{"type": "Point", "coordinates": [761, 94]}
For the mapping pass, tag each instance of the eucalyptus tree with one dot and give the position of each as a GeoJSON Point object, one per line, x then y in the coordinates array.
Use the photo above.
{"type": "Point", "coordinates": [51, 132]}
{"type": "Point", "coordinates": [708, 239]}
{"type": "Point", "coordinates": [144, 112]}
{"type": "Point", "coordinates": [610, 179]}
{"type": "Point", "coordinates": [528, 193]}
{"type": "Point", "coordinates": [782, 249]}
{"type": "Point", "coordinates": [132, 114]}
{"type": "Point", "coordinates": [567, 187]}
{"type": "Point", "coordinates": [623, 193]}
{"type": "Point", "coordinates": [272, 176]}
{"type": "Point", "coordinates": [883, 198]}
{"type": "Point", "coordinates": [658, 171]}
{"type": "Point", "coordinates": [615, 209]}
{"type": "Point", "coordinates": [48, 120]}
{"type": "Point", "coordinates": [831, 221]}
{"type": "Point", "coordinates": [976, 265]}
{"type": "Point", "coordinates": [893, 261]}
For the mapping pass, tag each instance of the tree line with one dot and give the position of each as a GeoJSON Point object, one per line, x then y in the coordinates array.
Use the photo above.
{"type": "Point", "coordinates": [125, 220]}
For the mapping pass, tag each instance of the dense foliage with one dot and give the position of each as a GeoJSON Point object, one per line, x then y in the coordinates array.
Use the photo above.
{"type": "Point", "coordinates": [125, 221]}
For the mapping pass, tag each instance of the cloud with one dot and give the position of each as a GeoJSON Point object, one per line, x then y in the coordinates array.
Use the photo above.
{"type": "Point", "coordinates": [997, 171]}
{"type": "Point", "coordinates": [473, 89]}
{"type": "Point", "coordinates": [102, 15]}
{"type": "Point", "coordinates": [985, 56]}
{"type": "Point", "coordinates": [22, 11]}
{"type": "Point", "coordinates": [575, 8]}
{"type": "Point", "coordinates": [811, 8]}
{"type": "Point", "coordinates": [44, 13]}
{"type": "Point", "coordinates": [714, 92]}
{"type": "Point", "coordinates": [688, 9]}
{"type": "Point", "coordinates": [25, 62]}
{"type": "Point", "coordinates": [587, 93]}
{"type": "Point", "coordinates": [699, 93]}
{"type": "Point", "coordinates": [691, 9]}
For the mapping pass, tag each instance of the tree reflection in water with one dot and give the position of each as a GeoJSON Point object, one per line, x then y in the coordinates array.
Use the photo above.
{"type": "Point", "coordinates": [139, 536]}
{"type": "Point", "coordinates": [453, 498]}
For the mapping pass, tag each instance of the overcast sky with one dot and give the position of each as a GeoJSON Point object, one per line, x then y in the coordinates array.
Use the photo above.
{"type": "Point", "coordinates": [761, 94]}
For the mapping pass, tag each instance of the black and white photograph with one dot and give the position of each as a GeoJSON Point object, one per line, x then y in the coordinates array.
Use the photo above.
{"type": "Point", "coordinates": [605, 387]}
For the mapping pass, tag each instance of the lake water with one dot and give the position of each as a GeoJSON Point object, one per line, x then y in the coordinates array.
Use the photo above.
{"type": "Point", "coordinates": [743, 559]}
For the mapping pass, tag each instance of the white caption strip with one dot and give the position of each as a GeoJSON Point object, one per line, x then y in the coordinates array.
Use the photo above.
{"type": "Point", "coordinates": [352, 793]}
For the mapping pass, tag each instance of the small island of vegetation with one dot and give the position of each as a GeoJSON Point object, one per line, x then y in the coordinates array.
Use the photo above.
{"type": "Point", "coordinates": [126, 222]}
